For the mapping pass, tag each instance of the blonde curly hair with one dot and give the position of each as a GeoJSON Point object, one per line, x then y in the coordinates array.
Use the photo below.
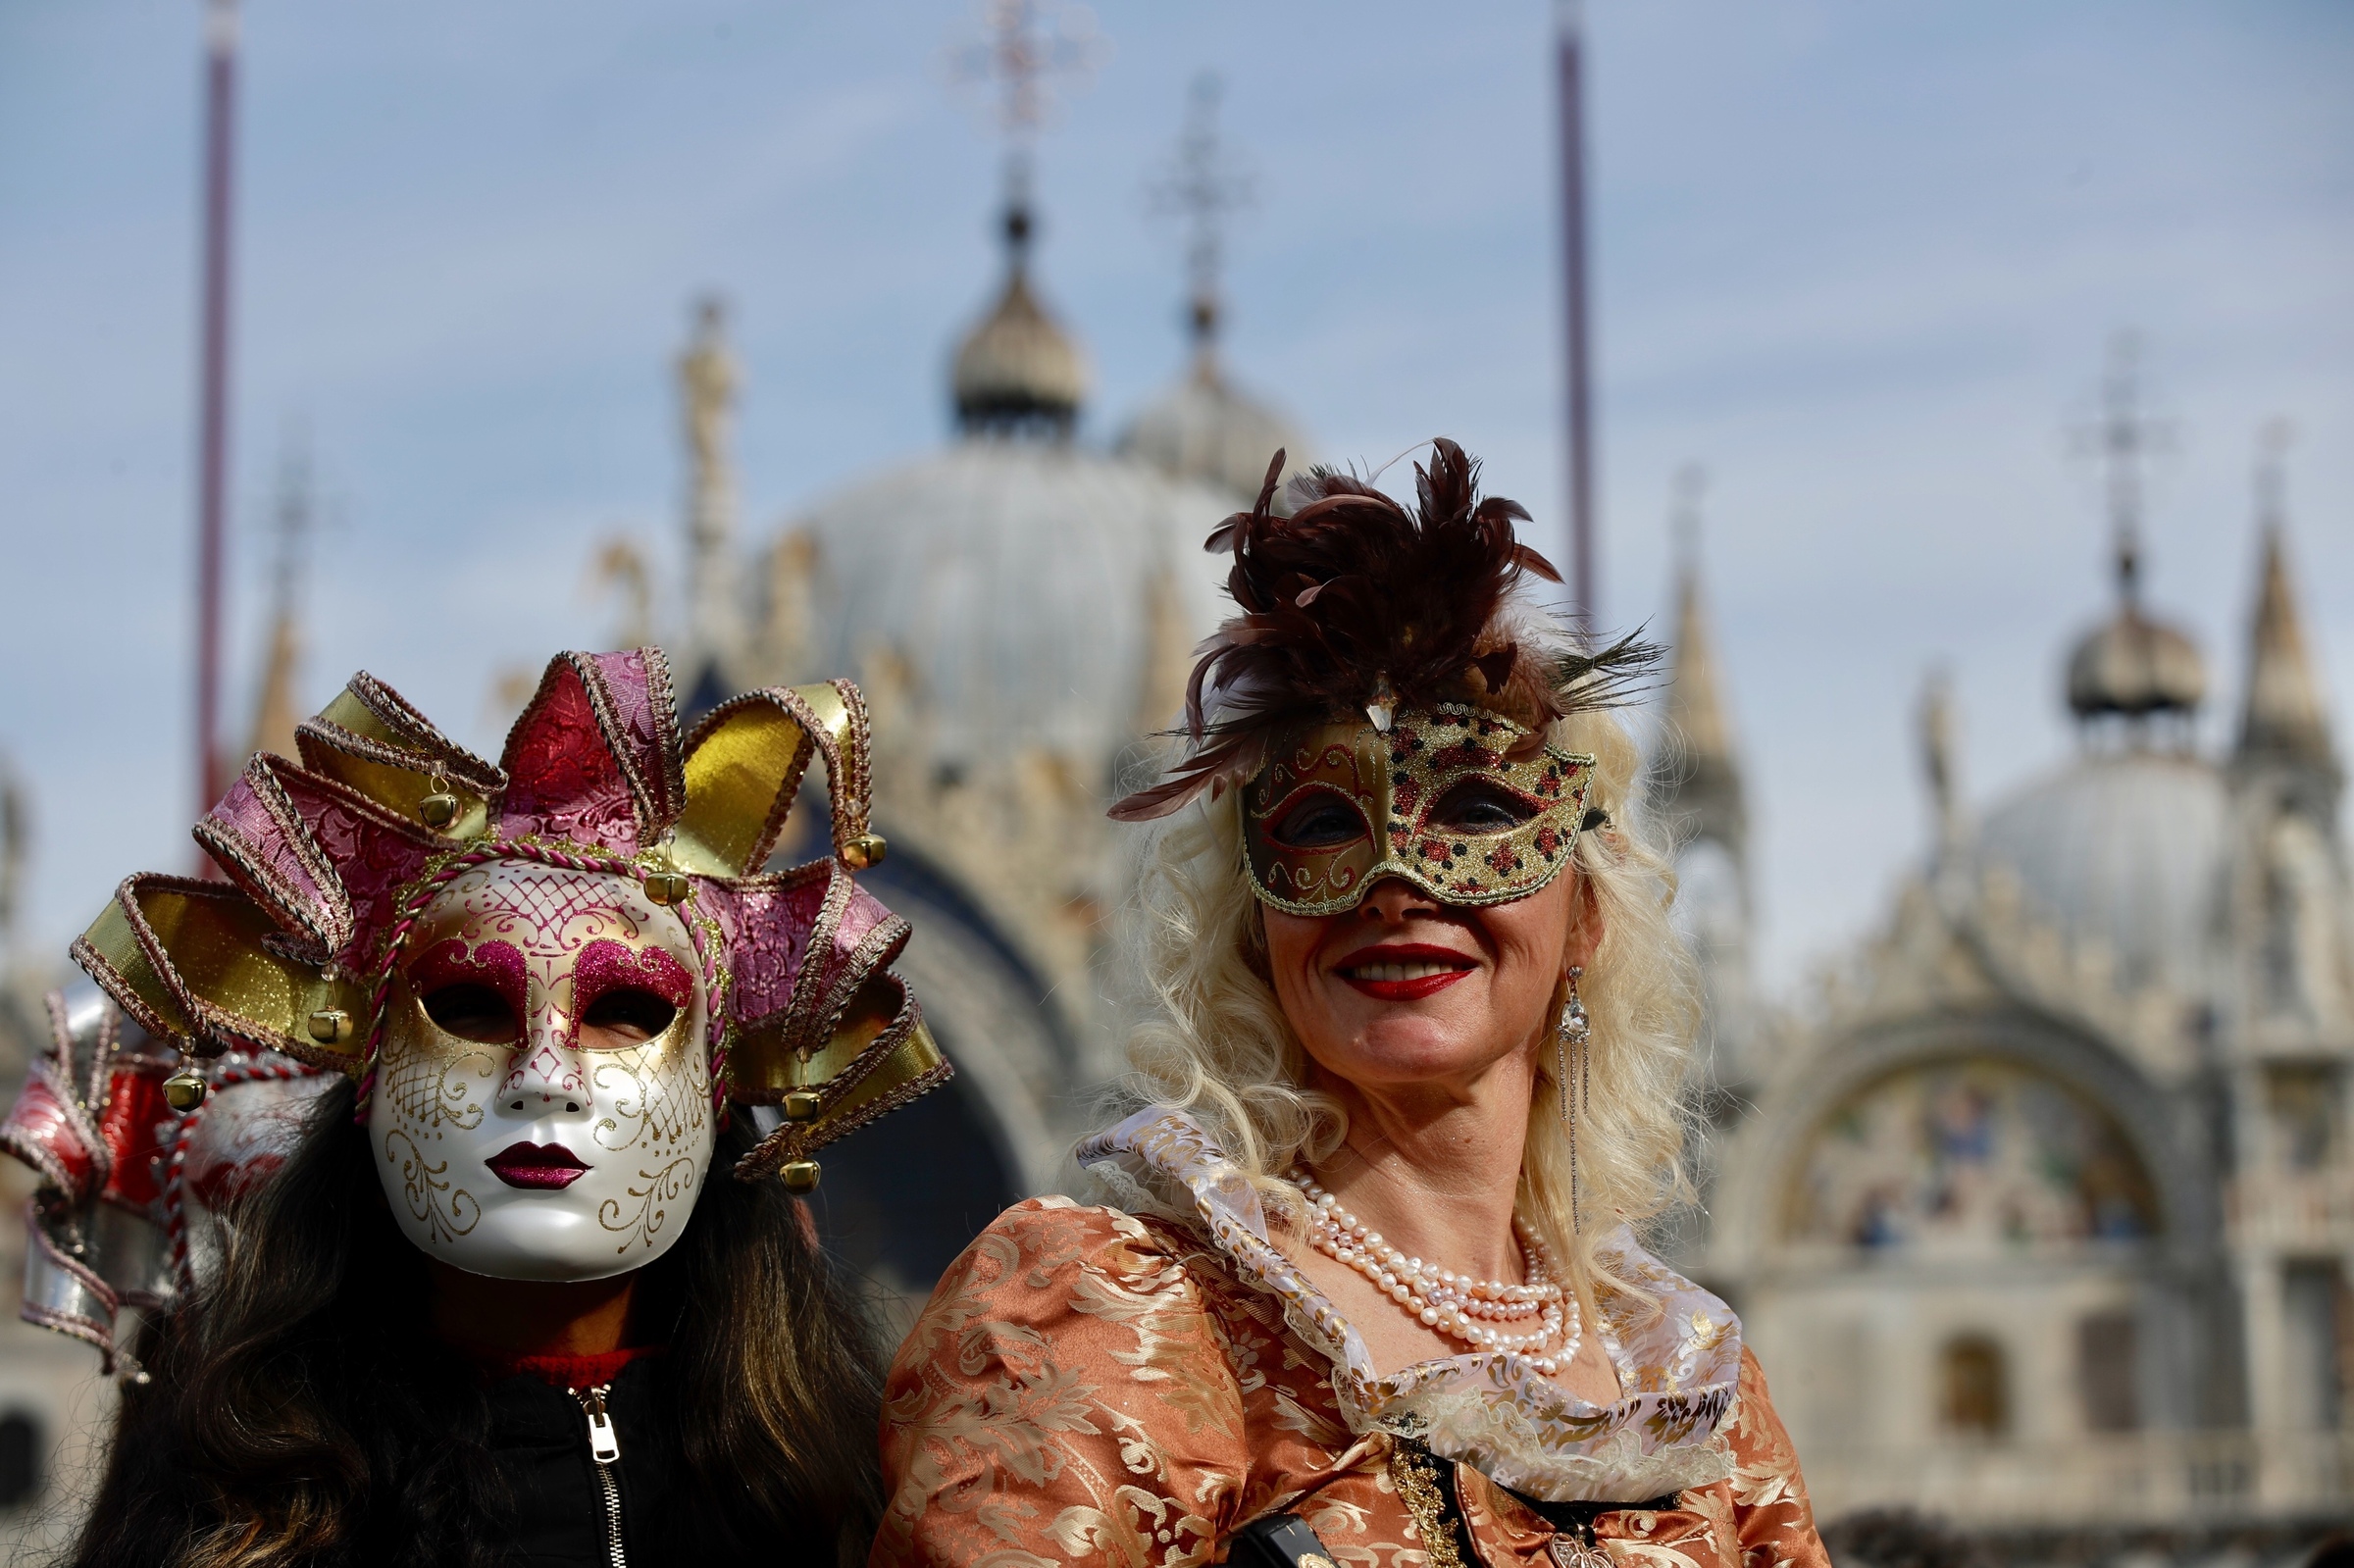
{"type": "Point", "coordinates": [1215, 1043]}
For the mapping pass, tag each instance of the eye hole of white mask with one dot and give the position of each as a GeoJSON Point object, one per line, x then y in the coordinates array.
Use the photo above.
{"type": "Point", "coordinates": [622, 1016]}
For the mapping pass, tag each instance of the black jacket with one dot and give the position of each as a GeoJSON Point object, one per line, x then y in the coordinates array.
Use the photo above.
{"type": "Point", "coordinates": [540, 1440]}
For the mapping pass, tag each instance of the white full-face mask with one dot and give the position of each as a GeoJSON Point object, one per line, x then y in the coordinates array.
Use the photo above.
{"type": "Point", "coordinates": [542, 1107]}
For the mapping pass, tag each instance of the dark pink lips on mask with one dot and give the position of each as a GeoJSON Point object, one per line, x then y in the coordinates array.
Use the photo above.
{"type": "Point", "coordinates": [546, 1166]}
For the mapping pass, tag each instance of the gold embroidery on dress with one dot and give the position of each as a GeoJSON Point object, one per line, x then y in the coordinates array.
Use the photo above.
{"type": "Point", "coordinates": [1417, 1476]}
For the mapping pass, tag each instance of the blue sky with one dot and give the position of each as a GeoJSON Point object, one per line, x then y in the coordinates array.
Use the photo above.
{"type": "Point", "coordinates": [1860, 261]}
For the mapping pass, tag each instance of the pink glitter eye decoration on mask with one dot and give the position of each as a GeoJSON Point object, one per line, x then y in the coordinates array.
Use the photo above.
{"type": "Point", "coordinates": [624, 997]}
{"type": "Point", "coordinates": [477, 994]}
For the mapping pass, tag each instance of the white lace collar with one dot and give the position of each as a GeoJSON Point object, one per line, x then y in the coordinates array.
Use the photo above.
{"type": "Point", "coordinates": [1678, 1368]}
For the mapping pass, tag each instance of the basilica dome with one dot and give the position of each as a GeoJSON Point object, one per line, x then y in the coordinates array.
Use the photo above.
{"type": "Point", "coordinates": [2123, 853]}
{"type": "Point", "coordinates": [1032, 594]}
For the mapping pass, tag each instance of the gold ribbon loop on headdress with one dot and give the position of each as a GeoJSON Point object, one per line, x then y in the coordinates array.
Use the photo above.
{"type": "Point", "coordinates": [370, 740]}
{"type": "Point", "coordinates": [744, 764]}
{"type": "Point", "coordinates": [879, 1057]}
{"type": "Point", "coordinates": [203, 964]}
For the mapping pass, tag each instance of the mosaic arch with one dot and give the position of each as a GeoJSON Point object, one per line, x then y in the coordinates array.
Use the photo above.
{"type": "Point", "coordinates": [1968, 1156]}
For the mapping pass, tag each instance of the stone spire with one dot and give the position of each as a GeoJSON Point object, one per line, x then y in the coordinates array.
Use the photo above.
{"type": "Point", "coordinates": [1700, 800]}
{"type": "Point", "coordinates": [1703, 783]}
{"type": "Point", "coordinates": [278, 702]}
{"type": "Point", "coordinates": [713, 635]}
{"type": "Point", "coordinates": [2284, 719]}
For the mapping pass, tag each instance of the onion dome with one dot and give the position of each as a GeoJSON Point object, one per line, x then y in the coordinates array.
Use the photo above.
{"type": "Point", "coordinates": [2136, 665]}
{"type": "Point", "coordinates": [2126, 853]}
{"type": "Point", "coordinates": [1017, 371]}
{"type": "Point", "coordinates": [1016, 585]}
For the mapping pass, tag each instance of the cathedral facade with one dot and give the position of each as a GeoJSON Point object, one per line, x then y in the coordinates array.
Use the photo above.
{"type": "Point", "coordinates": [2042, 1216]}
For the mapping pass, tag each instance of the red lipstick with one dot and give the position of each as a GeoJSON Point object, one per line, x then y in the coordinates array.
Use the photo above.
{"type": "Point", "coordinates": [545, 1166]}
{"type": "Point", "coordinates": [1406, 990]}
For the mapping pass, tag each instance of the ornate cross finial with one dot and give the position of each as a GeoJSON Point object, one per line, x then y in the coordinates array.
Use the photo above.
{"type": "Point", "coordinates": [1203, 184]}
{"type": "Point", "coordinates": [2123, 438]}
{"type": "Point", "coordinates": [1027, 42]}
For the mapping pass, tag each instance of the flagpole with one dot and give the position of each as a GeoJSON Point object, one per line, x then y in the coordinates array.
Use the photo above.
{"type": "Point", "coordinates": [212, 455]}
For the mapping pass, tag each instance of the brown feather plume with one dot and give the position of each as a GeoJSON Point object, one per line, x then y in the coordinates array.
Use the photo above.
{"type": "Point", "coordinates": [1351, 595]}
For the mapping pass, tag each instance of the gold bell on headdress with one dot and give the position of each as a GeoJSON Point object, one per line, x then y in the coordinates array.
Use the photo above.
{"type": "Point", "coordinates": [867, 849]}
{"type": "Point", "coordinates": [185, 1089]}
{"type": "Point", "coordinates": [438, 809]}
{"type": "Point", "coordinates": [800, 1176]}
{"type": "Point", "coordinates": [667, 886]}
{"type": "Point", "coordinates": [331, 1026]}
{"type": "Point", "coordinates": [801, 1104]}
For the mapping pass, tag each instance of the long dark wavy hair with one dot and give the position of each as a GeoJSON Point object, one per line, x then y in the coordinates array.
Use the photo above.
{"type": "Point", "coordinates": [301, 1412]}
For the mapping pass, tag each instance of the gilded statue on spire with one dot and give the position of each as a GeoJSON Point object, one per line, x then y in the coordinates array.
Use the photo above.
{"type": "Point", "coordinates": [708, 381]}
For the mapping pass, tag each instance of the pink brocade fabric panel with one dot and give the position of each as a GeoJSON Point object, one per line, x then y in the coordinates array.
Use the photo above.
{"type": "Point", "coordinates": [562, 779]}
{"type": "Point", "coordinates": [246, 814]}
{"type": "Point", "coordinates": [373, 861]}
{"type": "Point", "coordinates": [629, 691]}
{"type": "Point", "coordinates": [1088, 1387]}
{"type": "Point", "coordinates": [860, 917]}
{"type": "Point", "coordinates": [769, 930]}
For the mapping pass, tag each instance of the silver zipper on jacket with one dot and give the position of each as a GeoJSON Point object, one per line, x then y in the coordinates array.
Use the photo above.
{"type": "Point", "coordinates": [604, 1447]}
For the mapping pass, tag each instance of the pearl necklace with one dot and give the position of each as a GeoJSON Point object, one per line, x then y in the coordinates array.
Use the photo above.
{"type": "Point", "coordinates": [1456, 1304]}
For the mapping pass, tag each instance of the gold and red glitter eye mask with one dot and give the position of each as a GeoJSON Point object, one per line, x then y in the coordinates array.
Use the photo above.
{"type": "Point", "coordinates": [1438, 800]}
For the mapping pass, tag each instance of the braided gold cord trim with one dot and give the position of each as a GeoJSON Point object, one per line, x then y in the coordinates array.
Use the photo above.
{"type": "Point", "coordinates": [1415, 1472]}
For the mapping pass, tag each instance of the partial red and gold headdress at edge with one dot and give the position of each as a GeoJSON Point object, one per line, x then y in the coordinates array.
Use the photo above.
{"type": "Point", "coordinates": [1351, 605]}
{"type": "Point", "coordinates": [330, 861]}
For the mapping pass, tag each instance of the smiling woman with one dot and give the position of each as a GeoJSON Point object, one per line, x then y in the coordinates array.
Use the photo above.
{"type": "Point", "coordinates": [530, 1286]}
{"type": "Point", "coordinates": [1371, 1290]}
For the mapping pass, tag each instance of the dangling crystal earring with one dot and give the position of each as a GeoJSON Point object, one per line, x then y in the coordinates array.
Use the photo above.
{"type": "Point", "coordinates": [1570, 1034]}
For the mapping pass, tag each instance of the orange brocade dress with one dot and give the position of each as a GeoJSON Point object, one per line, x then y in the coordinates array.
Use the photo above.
{"type": "Point", "coordinates": [1129, 1386]}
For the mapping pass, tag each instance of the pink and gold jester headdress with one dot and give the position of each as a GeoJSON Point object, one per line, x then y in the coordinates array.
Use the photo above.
{"type": "Point", "coordinates": [331, 861]}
